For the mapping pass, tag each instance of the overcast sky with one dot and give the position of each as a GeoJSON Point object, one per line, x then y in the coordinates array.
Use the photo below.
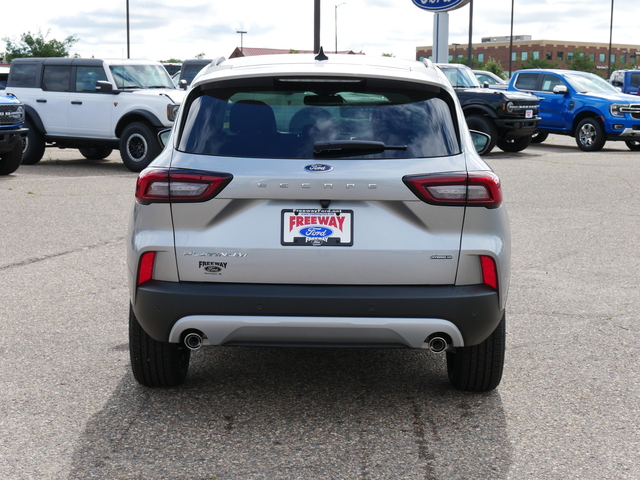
{"type": "Point", "coordinates": [163, 29]}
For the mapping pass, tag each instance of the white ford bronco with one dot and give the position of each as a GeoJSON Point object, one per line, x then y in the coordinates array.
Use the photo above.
{"type": "Point", "coordinates": [95, 106]}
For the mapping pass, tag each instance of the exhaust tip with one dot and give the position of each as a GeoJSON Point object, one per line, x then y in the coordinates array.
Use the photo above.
{"type": "Point", "coordinates": [438, 344]}
{"type": "Point", "coordinates": [193, 340]}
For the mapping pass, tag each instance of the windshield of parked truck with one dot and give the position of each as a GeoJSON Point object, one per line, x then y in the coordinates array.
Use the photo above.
{"type": "Point", "coordinates": [590, 83]}
{"type": "Point", "coordinates": [460, 77]}
{"type": "Point", "coordinates": [141, 76]}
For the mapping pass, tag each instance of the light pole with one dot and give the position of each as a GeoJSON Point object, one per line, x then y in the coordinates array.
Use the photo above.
{"type": "Point", "coordinates": [336, 24]}
{"type": "Point", "coordinates": [511, 40]}
{"type": "Point", "coordinates": [610, 39]}
{"type": "Point", "coordinates": [241, 32]}
{"type": "Point", "coordinates": [128, 30]}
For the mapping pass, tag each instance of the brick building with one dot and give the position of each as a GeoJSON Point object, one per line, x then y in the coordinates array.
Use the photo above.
{"type": "Point", "coordinates": [557, 51]}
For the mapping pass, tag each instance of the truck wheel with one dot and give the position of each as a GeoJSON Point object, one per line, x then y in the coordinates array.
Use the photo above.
{"type": "Point", "coordinates": [139, 145]}
{"type": "Point", "coordinates": [484, 125]}
{"type": "Point", "coordinates": [156, 364]}
{"type": "Point", "coordinates": [478, 368]}
{"type": "Point", "coordinates": [95, 153]}
{"type": "Point", "coordinates": [633, 145]}
{"type": "Point", "coordinates": [33, 146]}
{"type": "Point", "coordinates": [539, 137]}
{"type": "Point", "coordinates": [590, 135]}
{"type": "Point", "coordinates": [515, 145]}
{"type": "Point", "coordinates": [10, 161]}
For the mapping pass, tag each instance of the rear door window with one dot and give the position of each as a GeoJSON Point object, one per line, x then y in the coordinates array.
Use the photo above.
{"type": "Point", "coordinates": [56, 78]}
{"type": "Point", "coordinates": [307, 118]}
{"type": "Point", "coordinates": [527, 81]}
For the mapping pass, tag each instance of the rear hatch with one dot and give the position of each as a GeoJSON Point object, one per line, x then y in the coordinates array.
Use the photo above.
{"type": "Point", "coordinates": [313, 183]}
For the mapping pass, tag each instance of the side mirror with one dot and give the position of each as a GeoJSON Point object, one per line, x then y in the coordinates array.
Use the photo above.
{"type": "Point", "coordinates": [183, 84]}
{"type": "Point", "coordinates": [560, 89]}
{"type": "Point", "coordinates": [485, 84]}
{"type": "Point", "coordinates": [480, 140]}
{"type": "Point", "coordinates": [163, 137]}
{"type": "Point", "coordinates": [104, 87]}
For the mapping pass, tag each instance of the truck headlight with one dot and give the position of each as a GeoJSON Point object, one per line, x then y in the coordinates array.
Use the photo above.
{"type": "Point", "coordinates": [17, 116]}
{"type": "Point", "coordinates": [509, 107]}
{"type": "Point", "coordinates": [616, 109]}
{"type": "Point", "coordinates": [172, 112]}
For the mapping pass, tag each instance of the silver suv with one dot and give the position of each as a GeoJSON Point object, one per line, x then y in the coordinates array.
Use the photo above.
{"type": "Point", "coordinates": [314, 201]}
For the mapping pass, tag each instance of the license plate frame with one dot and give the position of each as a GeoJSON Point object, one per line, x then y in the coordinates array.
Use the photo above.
{"type": "Point", "coordinates": [311, 227]}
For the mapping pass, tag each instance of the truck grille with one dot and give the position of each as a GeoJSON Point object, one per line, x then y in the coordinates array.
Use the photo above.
{"type": "Point", "coordinates": [634, 110]}
{"type": "Point", "coordinates": [11, 114]}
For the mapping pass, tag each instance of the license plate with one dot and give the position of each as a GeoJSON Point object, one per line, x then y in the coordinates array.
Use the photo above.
{"type": "Point", "coordinates": [317, 228]}
{"type": "Point", "coordinates": [529, 114]}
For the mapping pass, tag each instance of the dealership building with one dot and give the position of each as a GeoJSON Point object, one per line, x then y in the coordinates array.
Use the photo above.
{"type": "Point", "coordinates": [624, 56]}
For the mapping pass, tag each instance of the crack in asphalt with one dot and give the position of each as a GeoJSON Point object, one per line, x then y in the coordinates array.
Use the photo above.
{"type": "Point", "coordinates": [31, 261]}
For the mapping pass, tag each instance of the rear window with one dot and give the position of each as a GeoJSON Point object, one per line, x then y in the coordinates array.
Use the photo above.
{"type": "Point", "coordinates": [291, 117]}
{"type": "Point", "coordinates": [24, 75]}
{"type": "Point", "coordinates": [635, 79]}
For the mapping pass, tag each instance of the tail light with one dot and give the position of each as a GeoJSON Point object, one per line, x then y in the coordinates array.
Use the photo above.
{"type": "Point", "coordinates": [145, 267]}
{"type": "Point", "coordinates": [489, 271]}
{"type": "Point", "coordinates": [164, 186]}
{"type": "Point", "coordinates": [473, 189]}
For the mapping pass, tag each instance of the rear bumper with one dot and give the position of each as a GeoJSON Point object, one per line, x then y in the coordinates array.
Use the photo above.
{"type": "Point", "coordinates": [382, 315]}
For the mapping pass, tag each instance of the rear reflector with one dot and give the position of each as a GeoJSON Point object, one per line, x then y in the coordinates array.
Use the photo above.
{"type": "Point", "coordinates": [172, 185]}
{"type": "Point", "coordinates": [474, 189]}
{"type": "Point", "coordinates": [145, 268]}
{"type": "Point", "coordinates": [489, 272]}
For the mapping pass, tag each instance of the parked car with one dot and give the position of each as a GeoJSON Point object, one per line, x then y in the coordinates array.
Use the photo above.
{"type": "Point", "coordinates": [190, 68]}
{"type": "Point", "coordinates": [628, 81]}
{"type": "Point", "coordinates": [12, 133]}
{"type": "Point", "coordinates": [582, 105]}
{"type": "Point", "coordinates": [95, 105]}
{"type": "Point", "coordinates": [314, 201]}
{"type": "Point", "coordinates": [4, 76]}
{"type": "Point", "coordinates": [509, 118]}
{"type": "Point", "coordinates": [489, 79]}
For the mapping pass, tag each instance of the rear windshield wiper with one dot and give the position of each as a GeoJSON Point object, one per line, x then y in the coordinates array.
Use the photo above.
{"type": "Point", "coordinates": [346, 148]}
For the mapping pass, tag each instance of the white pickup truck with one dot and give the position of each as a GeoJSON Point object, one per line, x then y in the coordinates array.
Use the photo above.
{"type": "Point", "coordinates": [95, 105]}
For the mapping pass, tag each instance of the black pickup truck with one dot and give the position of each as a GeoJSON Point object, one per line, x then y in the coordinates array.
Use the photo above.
{"type": "Point", "coordinates": [509, 118]}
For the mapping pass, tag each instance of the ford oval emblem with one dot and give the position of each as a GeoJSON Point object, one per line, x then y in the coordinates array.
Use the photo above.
{"type": "Point", "coordinates": [316, 232]}
{"type": "Point", "coordinates": [318, 167]}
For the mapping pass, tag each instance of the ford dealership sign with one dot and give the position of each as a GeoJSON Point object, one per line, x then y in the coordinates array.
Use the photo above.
{"type": "Point", "coordinates": [440, 5]}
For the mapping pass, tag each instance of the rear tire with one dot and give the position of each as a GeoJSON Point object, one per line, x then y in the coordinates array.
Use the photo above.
{"type": "Point", "coordinates": [156, 364]}
{"type": "Point", "coordinates": [590, 135]}
{"type": "Point", "coordinates": [10, 161]}
{"type": "Point", "coordinates": [515, 145]}
{"type": "Point", "coordinates": [539, 137]}
{"type": "Point", "coordinates": [95, 153]}
{"type": "Point", "coordinates": [634, 145]}
{"type": "Point", "coordinates": [139, 145]}
{"type": "Point", "coordinates": [485, 125]}
{"type": "Point", "coordinates": [478, 368]}
{"type": "Point", "coordinates": [33, 145]}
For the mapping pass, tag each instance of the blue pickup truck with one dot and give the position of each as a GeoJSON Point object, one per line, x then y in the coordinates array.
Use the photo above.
{"type": "Point", "coordinates": [12, 133]}
{"type": "Point", "coordinates": [582, 105]}
{"type": "Point", "coordinates": [628, 81]}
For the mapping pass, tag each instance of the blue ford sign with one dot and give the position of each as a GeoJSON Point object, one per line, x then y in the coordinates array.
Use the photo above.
{"type": "Point", "coordinates": [440, 5]}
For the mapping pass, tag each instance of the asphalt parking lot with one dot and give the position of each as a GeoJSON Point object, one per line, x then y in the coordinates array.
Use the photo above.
{"type": "Point", "coordinates": [568, 406]}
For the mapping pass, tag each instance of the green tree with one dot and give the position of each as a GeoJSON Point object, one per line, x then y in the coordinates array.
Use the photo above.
{"type": "Point", "coordinates": [388, 55]}
{"type": "Point", "coordinates": [171, 60]}
{"type": "Point", "coordinates": [200, 56]}
{"type": "Point", "coordinates": [538, 63]}
{"type": "Point", "coordinates": [581, 63]}
{"type": "Point", "coordinates": [37, 45]}
{"type": "Point", "coordinates": [493, 66]}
